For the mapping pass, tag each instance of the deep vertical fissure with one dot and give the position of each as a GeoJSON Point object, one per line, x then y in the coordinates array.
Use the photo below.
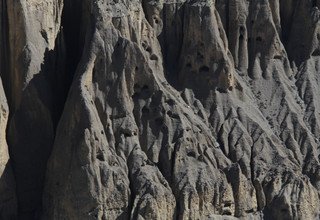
{"type": "Point", "coordinates": [73, 30]}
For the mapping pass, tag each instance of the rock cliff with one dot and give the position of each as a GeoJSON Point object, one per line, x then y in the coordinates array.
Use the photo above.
{"type": "Point", "coordinates": [159, 109]}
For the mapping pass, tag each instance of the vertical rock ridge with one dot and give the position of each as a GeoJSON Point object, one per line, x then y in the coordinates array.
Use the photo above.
{"type": "Point", "coordinates": [159, 109]}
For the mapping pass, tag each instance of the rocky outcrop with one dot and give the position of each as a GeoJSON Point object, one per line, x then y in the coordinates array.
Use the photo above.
{"type": "Point", "coordinates": [159, 109]}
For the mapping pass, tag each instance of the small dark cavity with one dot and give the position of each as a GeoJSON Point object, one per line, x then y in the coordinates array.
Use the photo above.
{"type": "Point", "coordinates": [145, 110]}
{"type": "Point", "coordinates": [277, 57]}
{"type": "Point", "coordinates": [127, 134]}
{"type": "Point", "coordinates": [170, 102]}
{"type": "Point", "coordinates": [200, 56]}
{"type": "Point", "coordinates": [221, 90]}
{"type": "Point", "coordinates": [145, 92]}
{"type": "Point", "coordinates": [242, 30]}
{"type": "Point", "coordinates": [145, 87]}
{"type": "Point", "coordinates": [44, 35]}
{"type": "Point", "coordinates": [191, 154]}
{"type": "Point", "coordinates": [173, 115]}
{"type": "Point", "coordinates": [316, 52]}
{"type": "Point", "coordinates": [100, 157]}
{"type": "Point", "coordinates": [144, 45]}
{"type": "Point", "coordinates": [149, 50]}
{"type": "Point", "coordinates": [227, 212]}
{"type": "Point", "coordinates": [204, 69]}
{"type": "Point", "coordinates": [154, 57]}
{"type": "Point", "coordinates": [258, 39]}
{"type": "Point", "coordinates": [249, 211]}
{"type": "Point", "coordinates": [189, 65]}
{"type": "Point", "coordinates": [239, 87]}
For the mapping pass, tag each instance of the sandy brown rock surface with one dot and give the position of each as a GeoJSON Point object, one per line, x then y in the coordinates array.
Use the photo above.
{"type": "Point", "coordinates": [159, 109]}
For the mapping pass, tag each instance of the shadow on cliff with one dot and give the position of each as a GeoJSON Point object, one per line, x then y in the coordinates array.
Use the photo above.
{"type": "Point", "coordinates": [31, 129]}
{"type": "Point", "coordinates": [8, 201]}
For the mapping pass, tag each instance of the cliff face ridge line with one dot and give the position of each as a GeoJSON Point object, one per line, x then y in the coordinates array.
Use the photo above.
{"type": "Point", "coordinates": [159, 109]}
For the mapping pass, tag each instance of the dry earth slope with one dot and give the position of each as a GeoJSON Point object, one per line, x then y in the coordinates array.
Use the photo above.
{"type": "Point", "coordinates": [159, 109]}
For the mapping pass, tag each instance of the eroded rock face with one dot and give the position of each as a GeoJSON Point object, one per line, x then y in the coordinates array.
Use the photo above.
{"type": "Point", "coordinates": [160, 109]}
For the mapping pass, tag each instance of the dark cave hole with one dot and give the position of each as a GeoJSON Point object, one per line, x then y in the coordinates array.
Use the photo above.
{"type": "Point", "coordinates": [316, 52]}
{"type": "Point", "coordinates": [200, 55]}
{"type": "Point", "coordinates": [191, 154]}
{"type": "Point", "coordinates": [242, 30]}
{"type": "Point", "coordinates": [277, 57]}
{"type": "Point", "coordinates": [148, 49]}
{"type": "Point", "coordinates": [227, 212]}
{"type": "Point", "coordinates": [173, 115]}
{"type": "Point", "coordinates": [154, 57]}
{"type": "Point", "coordinates": [170, 102]}
{"type": "Point", "coordinates": [259, 39]}
{"type": "Point", "coordinates": [145, 110]}
{"type": "Point", "coordinates": [249, 211]}
{"type": "Point", "coordinates": [145, 87]}
{"type": "Point", "coordinates": [189, 65]}
{"type": "Point", "coordinates": [204, 69]}
{"type": "Point", "coordinates": [100, 157]}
